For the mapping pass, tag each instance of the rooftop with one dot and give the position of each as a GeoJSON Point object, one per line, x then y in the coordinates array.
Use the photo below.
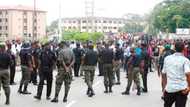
{"type": "Point", "coordinates": [20, 8]}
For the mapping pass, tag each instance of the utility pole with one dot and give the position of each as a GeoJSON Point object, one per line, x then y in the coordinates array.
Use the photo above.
{"type": "Point", "coordinates": [34, 31]}
{"type": "Point", "coordinates": [89, 12]}
{"type": "Point", "coordinates": [60, 22]}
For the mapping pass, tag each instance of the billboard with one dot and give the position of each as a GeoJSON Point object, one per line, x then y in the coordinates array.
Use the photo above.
{"type": "Point", "coordinates": [182, 31]}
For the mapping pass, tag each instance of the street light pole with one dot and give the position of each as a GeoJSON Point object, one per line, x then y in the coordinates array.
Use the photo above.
{"type": "Point", "coordinates": [60, 22]}
{"type": "Point", "coordinates": [34, 31]}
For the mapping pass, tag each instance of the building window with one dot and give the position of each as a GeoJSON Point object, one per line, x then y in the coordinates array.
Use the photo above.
{"type": "Point", "coordinates": [69, 27]}
{"type": "Point", "coordinates": [69, 21]}
{"type": "Point", "coordinates": [96, 21]}
{"type": "Point", "coordinates": [6, 12]}
{"type": "Point", "coordinates": [90, 27]}
{"type": "Point", "coordinates": [110, 21]}
{"type": "Point", "coordinates": [25, 13]}
{"type": "Point", "coordinates": [84, 27]}
{"type": "Point", "coordinates": [74, 21]}
{"type": "Point", "coordinates": [25, 20]}
{"type": "Point", "coordinates": [0, 34]}
{"type": "Point", "coordinates": [0, 27]}
{"type": "Point", "coordinates": [114, 27]}
{"type": "Point", "coordinates": [114, 22]}
{"type": "Point", "coordinates": [25, 27]}
{"type": "Point", "coordinates": [104, 21]}
{"type": "Point", "coordinates": [6, 20]}
{"type": "Point", "coordinates": [6, 28]}
{"type": "Point", "coordinates": [105, 27]}
{"type": "Point", "coordinates": [0, 12]}
{"type": "Point", "coordinates": [119, 22]}
{"type": "Point", "coordinates": [84, 21]}
{"type": "Point", "coordinates": [25, 34]}
{"type": "Point", "coordinates": [0, 20]}
{"type": "Point", "coordinates": [35, 28]}
{"type": "Point", "coordinates": [6, 35]}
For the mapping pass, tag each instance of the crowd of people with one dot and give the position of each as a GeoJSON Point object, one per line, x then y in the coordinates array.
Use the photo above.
{"type": "Point", "coordinates": [170, 58]}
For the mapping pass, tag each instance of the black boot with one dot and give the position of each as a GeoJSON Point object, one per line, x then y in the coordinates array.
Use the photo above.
{"type": "Point", "coordinates": [65, 97]}
{"type": "Point", "coordinates": [55, 100]}
{"type": "Point", "coordinates": [20, 89]}
{"type": "Point", "coordinates": [25, 90]}
{"type": "Point", "coordinates": [91, 93]}
{"type": "Point", "coordinates": [7, 98]}
{"type": "Point", "coordinates": [37, 97]}
{"type": "Point", "coordinates": [110, 89]}
{"type": "Point", "coordinates": [126, 92]}
{"type": "Point", "coordinates": [88, 91]}
{"type": "Point", "coordinates": [138, 91]}
{"type": "Point", "coordinates": [106, 89]}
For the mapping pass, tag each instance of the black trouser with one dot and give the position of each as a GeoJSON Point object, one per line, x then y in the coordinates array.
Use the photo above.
{"type": "Point", "coordinates": [144, 78]}
{"type": "Point", "coordinates": [100, 67]}
{"type": "Point", "coordinates": [179, 98]}
{"type": "Point", "coordinates": [34, 76]}
{"type": "Point", "coordinates": [76, 69]}
{"type": "Point", "coordinates": [48, 76]}
{"type": "Point", "coordinates": [12, 73]}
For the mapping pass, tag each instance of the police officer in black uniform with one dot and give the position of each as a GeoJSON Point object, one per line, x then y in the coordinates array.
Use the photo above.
{"type": "Point", "coordinates": [12, 65]}
{"type": "Point", "coordinates": [78, 55]}
{"type": "Point", "coordinates": [47, 59]}
{"type": "Point", "coordinates": [5, 62]}
{"type": "Point", "coordinates": [26, 67]}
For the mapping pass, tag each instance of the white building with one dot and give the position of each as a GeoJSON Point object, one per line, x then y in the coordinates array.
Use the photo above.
{"type": "Point", "coordinates": [96, 24]}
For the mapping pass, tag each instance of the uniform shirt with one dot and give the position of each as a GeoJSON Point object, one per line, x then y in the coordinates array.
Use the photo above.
{"type": "Point", "coordinates": [66, 55]}
{"type": "Point", "coordinates": [91, 58]}
{"type": "Point", "coordinates": [175, 67]}
{"type": "Point", "coordinates": [107, 56]}
{"type": "Point", "coordinates": [5, 60]}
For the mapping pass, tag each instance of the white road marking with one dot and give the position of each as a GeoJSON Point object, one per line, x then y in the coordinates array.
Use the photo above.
{"type": "Point", "coordinates": [71, 103]}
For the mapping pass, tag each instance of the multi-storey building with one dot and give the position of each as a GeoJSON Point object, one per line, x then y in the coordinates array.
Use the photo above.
{"type": "Point", "coordinates": [95, 24]}
{"type": "Point", "coordinates": [19, 22]}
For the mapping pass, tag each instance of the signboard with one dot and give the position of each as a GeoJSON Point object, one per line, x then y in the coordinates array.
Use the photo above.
{"type": "Point", "coordinates": [182, 31]}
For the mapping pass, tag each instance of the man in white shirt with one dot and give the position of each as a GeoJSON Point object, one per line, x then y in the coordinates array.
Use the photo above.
{"type": "Point", "coordinates": [176, 78]}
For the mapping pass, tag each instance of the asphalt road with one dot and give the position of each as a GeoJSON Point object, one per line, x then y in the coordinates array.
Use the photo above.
{"type": "Point", "coordinates": [78, 98]}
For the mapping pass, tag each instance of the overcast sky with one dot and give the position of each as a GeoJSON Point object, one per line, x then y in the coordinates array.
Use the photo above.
{"type": "Point", "coordinates": [76, 8]}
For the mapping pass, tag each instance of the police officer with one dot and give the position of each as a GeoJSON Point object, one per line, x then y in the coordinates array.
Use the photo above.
{"type": "Point", "coordinates": [78, 55]}
{"type": "Point", "coordinates": [13, 63]}
{"type": "Point", "coordinates": [117, 62]}
{"type": "Point", "coordinates": [5, 62]}
{"type": "Point", "coordinates": [65, 62]}
{"type": "Point", "coordinates": [35, 56]}
{"type": "Point", "coordinates": [90, 61]}
{"type": "Point", "coordinates": [134, 72]}
{"type": "Point", "coordinates": [100, 63]}
{"type": "Point", "coordinates": [47, 59]}
{"type": "Point", "coordinates": [26, 67]}
{"type": "Point", "coordinates": [108, 58]}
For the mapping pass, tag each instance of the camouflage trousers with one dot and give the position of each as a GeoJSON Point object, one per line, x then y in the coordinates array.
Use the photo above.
{"type": "Point", "coordinates": [116, 70]}
{"type": "Point", "coordinates": [61, 77]}
{"type": "Point", "coordinates": [108, 74]}
{"type": "Point", "coordinates": [26, 74]}
{"type": "Point", "coordinates": [4, 81]}
{"type": "Point", "coordinates": [134, 76]}
{"type": "Point", "coordinates": [89, 75]}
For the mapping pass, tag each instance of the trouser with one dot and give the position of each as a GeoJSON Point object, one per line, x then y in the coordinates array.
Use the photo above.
{"type": "Point", "coordinates": [48, 76]}
{"type": "Point", "coordinates": [76, 69]}
{"type": "Point", "coordinates": [25, 77]}
{"type": "Point", "coordinates": [125, 65]}
{"type": "Point", "coordinates": [108, 75]}
{"type": "Point", "coordinates": [116, 70]}
{"type": "Point", "coordinates": [100, 68]}
{"type": "Point", "coordinates": [89, 75]}
{"type": "Point", "coordinates": [12, 73]}
{"type": "Point", "coordinates": [34, 75]}
{"type": "Point", "coordinates": [4, 81]}
{"type": "Point", "coordinates": [61, 77]}
{"type": "Point", "coordinates": [178, 98]}
{"type": "Point", "coordinates": [133, 76]}
{"type": "Point", "coordinates": [144, 78]}
{"type": "Point", "coordinates": [82, 70]}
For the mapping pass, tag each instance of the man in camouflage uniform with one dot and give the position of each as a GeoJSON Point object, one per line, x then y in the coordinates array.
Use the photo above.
{"type": "Point", "coordinates": [26, 66]}
{"type": "Point", "coordinates": [65, 62]}
{"type": "Point", "coordinates": [5, 62]}
{"type": "Point", "coordinates": [107, 58]}
{"type": "Point", "coordinates": [134, 72]}
{"type": "Point", "coordinates": [90, 61]}
{"type": "Point", "coordinates": [117, 62]}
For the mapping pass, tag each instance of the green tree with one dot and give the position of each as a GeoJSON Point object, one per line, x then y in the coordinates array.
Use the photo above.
{"type": "Point", "coordinates": [171, 14]}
